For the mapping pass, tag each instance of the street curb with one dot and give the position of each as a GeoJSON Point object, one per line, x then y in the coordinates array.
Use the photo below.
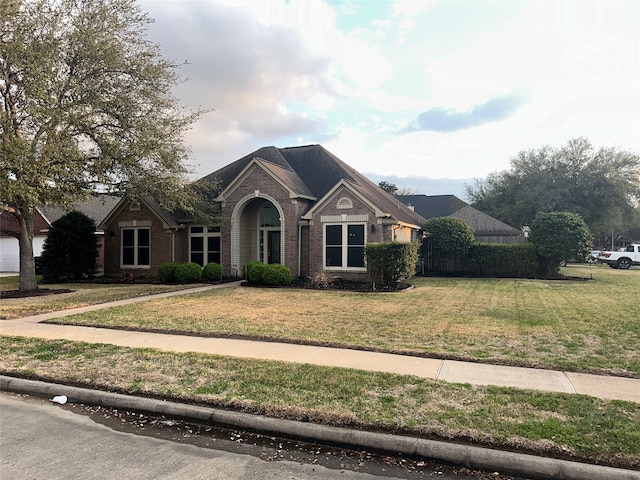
{"type": "Point", "coordinates": [471, 457]}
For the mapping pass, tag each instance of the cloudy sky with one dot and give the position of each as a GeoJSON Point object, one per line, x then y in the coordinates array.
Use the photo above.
{"type": "Point", "coordinates": [427, 94]}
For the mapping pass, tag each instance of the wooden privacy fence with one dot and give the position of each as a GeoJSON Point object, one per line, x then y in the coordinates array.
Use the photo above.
{"type": "Point", "coordinates": [487, 260]}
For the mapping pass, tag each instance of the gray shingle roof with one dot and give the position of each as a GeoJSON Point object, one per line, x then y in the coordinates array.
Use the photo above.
{"type": "Point", "coordinates": [288, 177]}
{"type": "Point", "coordinates": [432, 206]}
{"type": "Point", "coordinates": [167, 217]}
{"type": "Point", "coordinates": [483, 224]}
{"type": "Point", "coordinates": [313, 171]}
{"type": "Point", "coordinates": [97, 207]}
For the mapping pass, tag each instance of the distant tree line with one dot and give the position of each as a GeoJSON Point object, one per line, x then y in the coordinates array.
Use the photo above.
{"type": "Point", "coordinates": [602, 185]}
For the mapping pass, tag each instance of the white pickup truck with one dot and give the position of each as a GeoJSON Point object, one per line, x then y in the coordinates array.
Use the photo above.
{"type": "Point", "coordinates": [623, 260]}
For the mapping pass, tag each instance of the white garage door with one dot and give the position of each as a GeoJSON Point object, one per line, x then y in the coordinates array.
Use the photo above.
{"type": "Point", "coordinates": [10, 253]}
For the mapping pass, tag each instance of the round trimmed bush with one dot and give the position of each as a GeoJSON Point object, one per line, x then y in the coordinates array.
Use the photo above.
{"type": "Point", "coordinates": [253, 271]}
{"type": "Point", "coordinates": [212, 271]}
{"type": "Point", "coordinates": [188, 272]}
{"type": "Point", "coordinates": [276, 275]}
{"type": "Point", "coordinates": [167, 272]}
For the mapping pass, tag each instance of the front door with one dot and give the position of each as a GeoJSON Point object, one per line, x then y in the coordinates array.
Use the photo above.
{"type": "Point", "coordinates": [273, 247]}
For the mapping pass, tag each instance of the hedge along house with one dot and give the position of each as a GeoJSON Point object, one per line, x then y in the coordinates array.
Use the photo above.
{"type": "Point", "coordinates": [301, 206]}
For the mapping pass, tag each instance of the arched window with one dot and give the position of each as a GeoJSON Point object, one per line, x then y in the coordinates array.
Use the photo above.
{"type": "Point", "coordinates": [344, 203]}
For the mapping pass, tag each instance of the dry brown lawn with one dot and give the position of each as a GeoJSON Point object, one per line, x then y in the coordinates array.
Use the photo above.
{"type": "Point", "coordinates": [577, 325]}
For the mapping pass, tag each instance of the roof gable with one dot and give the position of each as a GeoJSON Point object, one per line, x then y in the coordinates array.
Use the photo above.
{"type": "Point", "coordinates": [313, 172]}
{"type": "Point", "coordinates": [167, 218]}
{"type": "Point", "coordinates": [9, 226]}
{"type": "Point", "coordinates": [342, 183]}
{"type": "Point", "coordinates": [283, 175]}
{"type": "Point", "coordinates": [228, 173]}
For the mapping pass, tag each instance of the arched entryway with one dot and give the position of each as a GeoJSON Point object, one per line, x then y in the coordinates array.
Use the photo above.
{"type": "Point", "coordinates": [257, 231]}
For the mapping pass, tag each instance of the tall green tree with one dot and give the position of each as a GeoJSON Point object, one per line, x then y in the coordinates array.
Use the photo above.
{"type": "Point", "coordinates": [85, 104]}
{"type": "Point", "coordinates": [601, 185]}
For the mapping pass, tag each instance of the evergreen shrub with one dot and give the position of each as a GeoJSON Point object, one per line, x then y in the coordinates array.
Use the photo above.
{"type": "Point", "coordinates": [189, 272]}
{"type": "Point", "coordinates": [449, 234]}
{"type": "Point", "coordinates": [70, 249]}
{"type": "Point", "coordinates": [212, 271]}
{"type": "Point", "coordinates": [167, 272]}
{"type": "Point", "coordinates": [276, 275]}
{"type": "Point", "coordinates": [388, 263]}
{"type": "Point", "coordinates": [558, 237]}
{"type": "Point", "coordinates": [252, 271]}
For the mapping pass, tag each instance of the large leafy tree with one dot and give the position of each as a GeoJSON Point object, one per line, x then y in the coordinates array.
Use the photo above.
{"type": "Point", "coordinates": [601, 185]}
{"type": "Point", "coordinates": [85, 104]}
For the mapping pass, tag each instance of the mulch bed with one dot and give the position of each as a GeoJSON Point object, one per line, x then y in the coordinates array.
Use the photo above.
{"type": "Point", "coordinates": [348, 285]}
{"type": "Point", "coordinates": [33, 293]}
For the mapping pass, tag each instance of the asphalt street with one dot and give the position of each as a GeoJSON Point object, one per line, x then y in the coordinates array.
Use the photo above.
{"type": "Point", "coordinates": [41, 440]}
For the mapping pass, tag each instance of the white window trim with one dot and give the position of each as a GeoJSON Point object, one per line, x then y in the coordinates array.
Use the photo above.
{"type": "Point", "coordinates": [205, 234]}
{"type": "Point", "coordinates": [345, 247]}
{"type": "Point", "coordinates": [135, 248]}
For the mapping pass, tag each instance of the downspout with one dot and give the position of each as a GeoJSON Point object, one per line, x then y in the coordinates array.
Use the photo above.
{"type": "Point", "coordinates": [173, 244]}
{"type": "Point", "coordinates": [299, 248]}
{"type": "Point", "coordinates": [173, 240]}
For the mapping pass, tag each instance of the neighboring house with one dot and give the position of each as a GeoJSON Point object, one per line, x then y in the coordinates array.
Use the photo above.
{"type": "Point", "coordinates": [301, 206]}
{"type": "Point", "coordinates": [96, 208]}
{"type": "Point", "coordinates": [486, 229]}
{"type": "Point", "coordinates": [627, 238]}
{"type": "Point", "coordinates": [9, 229]}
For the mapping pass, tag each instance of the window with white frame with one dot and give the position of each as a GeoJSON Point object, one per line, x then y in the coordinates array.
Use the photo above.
{"type": "Point", "coordinates": [344, 246]}
{"type": "Point", "coordinates": [136, 247]}
{"type": "Point", "coordinates": [204, 245]}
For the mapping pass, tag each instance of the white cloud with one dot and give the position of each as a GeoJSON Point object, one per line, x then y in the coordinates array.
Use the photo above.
{"type": "Point", "coordinates": [350, 75]}
{"type": "Point", "coordinates": [365, 67]}
{"type": "Point", "coordinates": [411, 8]}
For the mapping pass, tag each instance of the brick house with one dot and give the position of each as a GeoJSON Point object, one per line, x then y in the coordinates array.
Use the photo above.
{"type": "Point", "coordinates": [299, 206]}
{"type": "Point", "coordinates": [96, 208]}
{"type": "Point", "coordinates": [9, 233]}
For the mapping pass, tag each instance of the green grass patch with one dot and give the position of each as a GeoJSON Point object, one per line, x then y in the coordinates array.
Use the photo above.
{"type": "Point", "coordinates": [10, 282]}
{"type": "Point", "coordinates": [583, 427]}
{"type": "Point", "coordinates": [591, 326]}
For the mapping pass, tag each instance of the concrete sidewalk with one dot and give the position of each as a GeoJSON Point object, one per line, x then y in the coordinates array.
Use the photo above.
{"type": "Point", "coordinates": [606, 387]}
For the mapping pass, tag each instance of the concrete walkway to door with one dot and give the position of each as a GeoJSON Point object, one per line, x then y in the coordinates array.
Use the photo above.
{"type": "Point", "coordinates": [606, 387]}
